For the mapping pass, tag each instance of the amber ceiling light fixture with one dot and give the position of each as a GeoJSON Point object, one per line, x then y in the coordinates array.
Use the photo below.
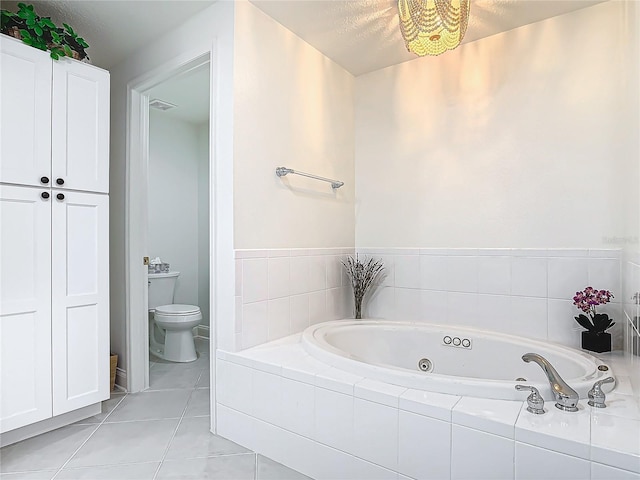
{"type": "Point", "coordinates": [431, 27]}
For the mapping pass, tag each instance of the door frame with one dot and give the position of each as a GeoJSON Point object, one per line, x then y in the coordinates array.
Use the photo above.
{"type": "Point", "coordinates": [136, 214]}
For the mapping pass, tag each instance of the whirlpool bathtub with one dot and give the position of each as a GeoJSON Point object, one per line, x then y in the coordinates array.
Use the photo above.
{"type": "Point", "coordinates": [448, 359]}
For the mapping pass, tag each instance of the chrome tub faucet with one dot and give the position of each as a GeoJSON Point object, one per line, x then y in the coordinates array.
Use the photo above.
{"type": "Point", "coordinates": [565, 396]}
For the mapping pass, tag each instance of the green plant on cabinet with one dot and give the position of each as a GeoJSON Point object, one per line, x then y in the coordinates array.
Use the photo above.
{"type": "Point", "coordinates": [42, 33]}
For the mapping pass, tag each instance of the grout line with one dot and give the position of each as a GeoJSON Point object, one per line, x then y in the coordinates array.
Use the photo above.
{"type": "Point", "coordinates": [88, 438]}
{"type": "Point", "coordinates": [255, 469]}
{"type": "Point", "coordinates": [204, 371]}
{"type": "Point", "coordinates": [123, 394]}
{"type": "Point", "coordinates": [166, 450]}
{"type": "Point", "coordinates": [102, 465]}
{"type": "Point", "coordinates": [104, 420]}
{"type": "Point", "coordinates": [200, 457]}
{"type": "Point", "coordinates": [141, 420]}
{"type": "Point", "coordinates": [172, 389]}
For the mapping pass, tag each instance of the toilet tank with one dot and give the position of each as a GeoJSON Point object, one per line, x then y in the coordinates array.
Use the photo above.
{"type": "Point", "coordinates": [161, 288]}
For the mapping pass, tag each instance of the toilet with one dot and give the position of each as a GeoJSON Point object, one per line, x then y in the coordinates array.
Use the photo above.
{"type": "Point", "coordinates": [170, 325]}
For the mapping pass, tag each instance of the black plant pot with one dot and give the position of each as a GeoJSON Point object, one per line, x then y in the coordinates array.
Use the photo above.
{"type": "Point", "coordinates": [596, 342]}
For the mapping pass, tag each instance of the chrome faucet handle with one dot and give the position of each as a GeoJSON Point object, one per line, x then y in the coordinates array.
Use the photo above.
{"type": "Point", "coordinates": [596, 395]}
{"type": "Point", "coordinates": [535, 402]}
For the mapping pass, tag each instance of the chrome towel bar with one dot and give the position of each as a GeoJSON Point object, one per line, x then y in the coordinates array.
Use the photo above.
{"type": "Point", "coordinates": [282, 171]}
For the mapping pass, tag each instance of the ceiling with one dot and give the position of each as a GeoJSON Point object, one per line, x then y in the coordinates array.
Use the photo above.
{"type": "Point", "coordinates": [115, 29]}
{"type": "Point", "coordinates": [363, 35]}
{"type": "Point", "coordinates": [360, 35]}
{"type": "Point", "coordinates": [189, 92]}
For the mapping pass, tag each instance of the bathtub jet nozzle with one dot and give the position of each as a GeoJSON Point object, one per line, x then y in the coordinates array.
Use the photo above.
{"type": "Point", "coordinates": [565, 396]}
{"type": "Point", "coordinates": [425, 365]}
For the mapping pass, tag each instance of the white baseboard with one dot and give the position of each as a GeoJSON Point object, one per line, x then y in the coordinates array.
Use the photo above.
{"type": "Point", "coordinates": [121, 379]}
{"type": "Point", "coordinates": [202, 331]}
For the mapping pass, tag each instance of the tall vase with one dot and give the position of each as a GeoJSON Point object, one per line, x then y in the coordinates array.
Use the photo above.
{"type": "Point", "coordinates": [358, 307]}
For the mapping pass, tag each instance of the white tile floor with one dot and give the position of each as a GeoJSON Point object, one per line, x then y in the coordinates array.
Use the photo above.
{"type": "Point", "coordinates": [157, 434]}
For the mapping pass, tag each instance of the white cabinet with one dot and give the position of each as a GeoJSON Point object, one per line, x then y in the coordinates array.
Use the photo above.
{"type": "Point", "coordinates": [80, 127]}
{"type": "Point", "coordinates": [25, 307]}
{"type": "Point", "coordinates": [25, 113]}
{"type": "Point", "coordinates": [80, 299]}
{"type": "Point", "coordinates": [55, 120]}
{"type": "Point", "coordinates": [54, 267]}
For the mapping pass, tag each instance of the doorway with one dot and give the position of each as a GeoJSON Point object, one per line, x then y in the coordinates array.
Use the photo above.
{"type": "Point", "coordinates": [188, 82]}
{"type": "Point", "coordinates": [178, 215]}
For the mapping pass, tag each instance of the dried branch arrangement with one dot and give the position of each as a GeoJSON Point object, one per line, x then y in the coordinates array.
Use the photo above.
{"type": "Point", "coordinates": [362, 274]}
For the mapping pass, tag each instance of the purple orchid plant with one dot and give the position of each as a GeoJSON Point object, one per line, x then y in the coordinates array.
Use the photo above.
{"type": "Point", "coordinates": [587, 301]}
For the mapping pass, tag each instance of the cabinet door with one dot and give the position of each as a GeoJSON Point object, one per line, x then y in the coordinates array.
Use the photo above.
{"type": "Point", "coordinates": [80, 302]}
{"type": "Point", "coordinates": [25, 113]}
{"type": "Point", "coordinates": [80, 126]}
{"type": "Point", "coordinates": [25, 307]}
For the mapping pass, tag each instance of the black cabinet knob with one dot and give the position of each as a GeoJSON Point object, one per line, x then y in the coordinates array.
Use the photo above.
{"type": "Point", "coordinates": [60, 196]}
{"type": "Point", "coordinates": [44, 195]}
{"type": "Point", "coordinates": [44, 180]}
{"type": "Point", "coordinates": [60, 181]}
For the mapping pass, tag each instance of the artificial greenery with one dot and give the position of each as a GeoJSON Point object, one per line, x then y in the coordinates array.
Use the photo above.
{"type": "Point", "coordinates": [42, 33]}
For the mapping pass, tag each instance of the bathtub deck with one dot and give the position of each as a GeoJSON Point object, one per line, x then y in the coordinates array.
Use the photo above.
{"type": "Point", "coordinates": [277, 400]}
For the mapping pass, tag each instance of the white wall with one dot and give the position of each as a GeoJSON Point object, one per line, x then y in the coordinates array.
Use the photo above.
{"type": "Point", "coordinates": [292, 107]}
{"type": "Point", "coordinates": [631, 260]}
{"type": "Point", "coordinates": [518, 155]}
{"type": "Point", "coordinates": [173, 200]}
{"type": "Point", "coordinates": [498, 143]}
{"type": "Point", "coordinates": [278, 102]}
{"type": "Point", "coordinates": [209, 31]}
{"type": "Point", "coordinates": [524, 139]}
{"type": "Point", "coordinates": [203, 221]}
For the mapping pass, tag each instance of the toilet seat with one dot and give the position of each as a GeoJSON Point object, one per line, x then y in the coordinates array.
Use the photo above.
{"type": "Point", "coordinates": [177, 309]}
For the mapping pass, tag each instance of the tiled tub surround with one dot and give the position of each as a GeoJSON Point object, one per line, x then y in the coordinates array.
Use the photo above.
{"type": "Point", "coordinates": [281, 292]}
{"type": "Point", "coordinates": [524, 292]}
{"type": "Point", "coordinates": [329, 424]}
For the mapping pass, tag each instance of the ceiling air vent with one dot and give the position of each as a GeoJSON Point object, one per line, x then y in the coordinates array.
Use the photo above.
{"type": "Point", "coordinates": [161, 105]}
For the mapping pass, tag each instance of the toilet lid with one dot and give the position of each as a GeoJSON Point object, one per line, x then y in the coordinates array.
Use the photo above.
{"type": "Point", "coordinates": [177, 309]}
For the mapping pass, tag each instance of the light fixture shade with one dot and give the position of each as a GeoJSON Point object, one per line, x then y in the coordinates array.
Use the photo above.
{"type": "Point", "coordinates": [431, 27]}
